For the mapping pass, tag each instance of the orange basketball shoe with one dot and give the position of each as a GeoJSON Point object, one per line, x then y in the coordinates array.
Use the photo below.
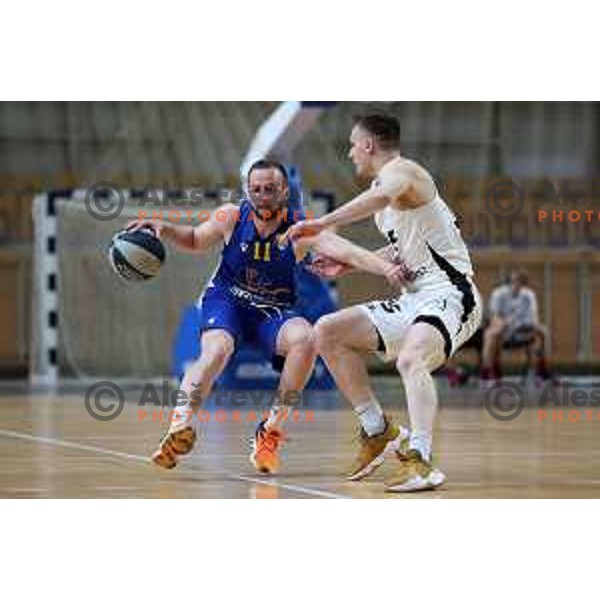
{"type": "Point", "coordinates": [176, 442]}
{"type": "Point", "coordinates": [265, 448]}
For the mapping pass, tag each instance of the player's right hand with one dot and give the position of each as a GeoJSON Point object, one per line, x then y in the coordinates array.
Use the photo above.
{"type": "Point", "coordinates": [155, 226]}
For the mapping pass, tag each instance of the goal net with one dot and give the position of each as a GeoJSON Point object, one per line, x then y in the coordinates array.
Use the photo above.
{"type": "Point", "coordinates": [89, 322]}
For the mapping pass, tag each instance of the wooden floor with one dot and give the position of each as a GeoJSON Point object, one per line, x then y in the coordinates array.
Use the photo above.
{"type": "Point", "coordinates": [51, 448]}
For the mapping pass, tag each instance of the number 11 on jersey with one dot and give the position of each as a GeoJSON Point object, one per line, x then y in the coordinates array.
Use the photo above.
{"type": "Point", "coordinates": [262, 251]}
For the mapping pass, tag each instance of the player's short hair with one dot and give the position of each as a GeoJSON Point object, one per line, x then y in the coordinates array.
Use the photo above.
{"type": "Point", "coordinates": [267, 163]}
{"type": "Point", "coordinates": [384, 128]}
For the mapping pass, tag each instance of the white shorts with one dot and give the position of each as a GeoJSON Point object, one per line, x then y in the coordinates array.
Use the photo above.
{"type": "Point", "coordinates": [454, 311]}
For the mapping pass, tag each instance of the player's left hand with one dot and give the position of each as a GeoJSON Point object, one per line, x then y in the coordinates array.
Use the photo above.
{"type": "Point", "coordinates": [399, 275]}
{"type": "Point", "coordinates": [329, 268]}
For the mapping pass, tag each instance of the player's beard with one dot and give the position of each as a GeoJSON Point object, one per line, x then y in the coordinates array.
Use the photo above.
{"type": "Point", "coordinates": [270, 213]}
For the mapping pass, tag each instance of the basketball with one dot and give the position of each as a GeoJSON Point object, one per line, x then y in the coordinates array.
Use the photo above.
{"type": "Point", "coordinates": [136, 255]}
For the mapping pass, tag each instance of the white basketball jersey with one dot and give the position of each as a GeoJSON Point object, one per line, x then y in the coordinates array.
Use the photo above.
{"type": "Point", "coordinates": [428, 240]}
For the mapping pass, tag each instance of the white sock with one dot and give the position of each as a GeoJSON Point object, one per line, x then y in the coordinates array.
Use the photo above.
{"type": "Point", "coordinates": [276, 415]}
{"type": "Point", "coordinates": [371, 418]}
{"type": "Point", "coordinates": [422, 405]}
{"type": "Point", "coordinates": [422, 443]}
{"type": "Point", "coordinates": [181, 416]}
{"type": "Point", "coordinates": [404, 432]}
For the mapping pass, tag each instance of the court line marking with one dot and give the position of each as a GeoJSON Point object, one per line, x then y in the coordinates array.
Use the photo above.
{"type": "Point", "coordinates": [268, 482]}
{"type": "Point", "coordinates": [98, 450]}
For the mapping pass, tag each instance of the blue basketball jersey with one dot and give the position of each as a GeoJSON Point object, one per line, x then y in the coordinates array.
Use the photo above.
{"type": "Point", "coordinates": [257, 270]}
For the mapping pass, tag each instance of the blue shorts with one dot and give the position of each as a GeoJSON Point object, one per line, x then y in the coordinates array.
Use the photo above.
{"type": "Point", "coordinates": [258, 327]}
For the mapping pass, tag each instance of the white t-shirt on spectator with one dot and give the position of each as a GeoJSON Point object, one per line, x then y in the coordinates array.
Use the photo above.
{"type": "Point", "coordinates": [519, 310]}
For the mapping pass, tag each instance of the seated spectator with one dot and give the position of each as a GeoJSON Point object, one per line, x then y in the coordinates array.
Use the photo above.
{"type": "Point", "coordinates": [514, 323]}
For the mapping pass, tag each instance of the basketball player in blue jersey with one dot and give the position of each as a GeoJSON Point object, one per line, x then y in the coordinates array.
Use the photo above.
{"type": "Point", "coordinates": [250, 299]}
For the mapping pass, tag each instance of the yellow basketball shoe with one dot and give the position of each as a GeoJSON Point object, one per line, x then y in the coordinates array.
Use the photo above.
{"type": "Point", "coordinates": [176, 442]}
{"type": "Point", "coordinates": [414, 474]}
{"type": "Point", "coordinates": [373, 449]}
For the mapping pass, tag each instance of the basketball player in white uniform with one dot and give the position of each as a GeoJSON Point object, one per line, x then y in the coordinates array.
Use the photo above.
{"type": "Point", "coordinates": [438, 311]}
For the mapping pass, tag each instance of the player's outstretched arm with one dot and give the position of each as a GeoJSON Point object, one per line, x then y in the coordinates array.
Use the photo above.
{"type": "Point", "coordinates": [386, 252]}
{"type": "Point", "coordinates": [361, 207]}
{"type": "Point", "coordinates": [196, 239]}
{"type": "Point", "coordinates": [344, 251]}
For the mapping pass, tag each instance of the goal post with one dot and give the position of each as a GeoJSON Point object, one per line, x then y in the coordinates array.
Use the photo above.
{"type": "Point", "coordinates": [89, 323]}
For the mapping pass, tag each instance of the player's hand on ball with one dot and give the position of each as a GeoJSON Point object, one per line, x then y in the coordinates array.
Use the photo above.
{"type": "Point", "coordinates": [329, 268]}
{"type": "Point", "coordinates": [156, 227]}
